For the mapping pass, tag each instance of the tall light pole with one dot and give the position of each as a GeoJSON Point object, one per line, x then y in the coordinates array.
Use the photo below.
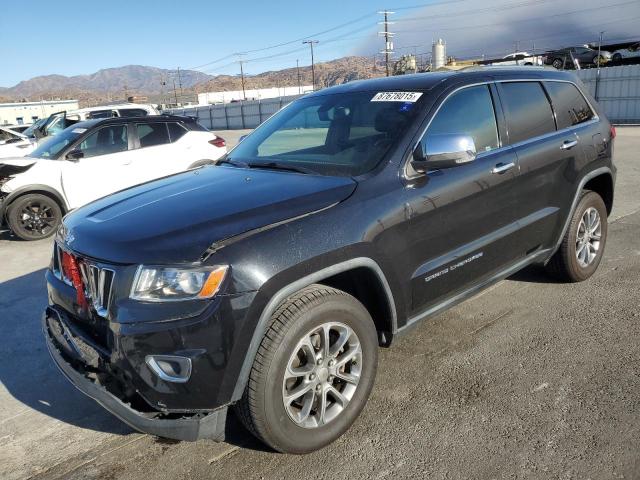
{"type": "Point", "coordinates": [298, 72]}
{"type": "Point", "coordinates": [240, 61]}
{"type": "Point", "coordinates": [313, 72]}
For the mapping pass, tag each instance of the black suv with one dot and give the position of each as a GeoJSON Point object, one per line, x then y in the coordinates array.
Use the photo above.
{"type": "Point", "coordinates": [269, 281]}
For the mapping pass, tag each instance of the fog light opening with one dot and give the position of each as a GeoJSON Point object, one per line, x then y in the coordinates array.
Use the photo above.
{"type": "Point", "coordinates": [170, 368]}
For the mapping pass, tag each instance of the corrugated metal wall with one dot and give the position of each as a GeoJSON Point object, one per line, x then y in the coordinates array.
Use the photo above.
{"type": "Point", "coordinates": [617, 91]}
{"type": "Point", "coordinates": [234, 116]}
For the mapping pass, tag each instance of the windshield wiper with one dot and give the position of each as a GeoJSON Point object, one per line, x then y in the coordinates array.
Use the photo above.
{"type": "Point", "coordinates": [235, 163]}
{"type": "Point", "coordinates": [281, 166]}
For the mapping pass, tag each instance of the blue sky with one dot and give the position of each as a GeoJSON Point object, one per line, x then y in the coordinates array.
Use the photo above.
{"type": "Point", "coordinates": [74, 37]}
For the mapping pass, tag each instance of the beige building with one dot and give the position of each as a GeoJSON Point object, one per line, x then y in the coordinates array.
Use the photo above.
{"type": "Point", "coordinates": [25, 113]}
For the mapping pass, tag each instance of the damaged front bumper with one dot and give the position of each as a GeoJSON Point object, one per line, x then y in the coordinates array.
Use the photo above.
{"type": "Point", "coordinates": [72, 354]}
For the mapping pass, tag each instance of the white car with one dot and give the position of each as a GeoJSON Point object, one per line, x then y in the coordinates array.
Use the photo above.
{"type": "Point", "coordinates": [630, 52]}
{"type": "Point", "coordinates": [521, 58]}
{"type": "Point", "coordinates": [14, 144]}
{"type": "Point", "coordinates": [61, 120]}
{"type": "Point", "coordinates": [95, 158]}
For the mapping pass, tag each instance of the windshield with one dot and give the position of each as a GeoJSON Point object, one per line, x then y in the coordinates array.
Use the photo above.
{"type": "Point", "coordinates": [344, 134]}
{"type": "Point", "coordinates": [53, 146]}
{"type": "Point", "coordinates": [29, 131]}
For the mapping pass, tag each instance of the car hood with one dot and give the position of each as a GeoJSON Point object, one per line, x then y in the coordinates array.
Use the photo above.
{"type": "Point", "coordinates": [14, 161]}
{"type": "Point", "coordinates": [175, 219]}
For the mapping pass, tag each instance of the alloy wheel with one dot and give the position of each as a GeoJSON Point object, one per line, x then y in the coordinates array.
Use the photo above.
{"type": "Point", "coordinates": [588, 237]}
{"type": "Point", "coordinates": [37, 217]}
{"type": "Point", "coordinates": [322, 375]}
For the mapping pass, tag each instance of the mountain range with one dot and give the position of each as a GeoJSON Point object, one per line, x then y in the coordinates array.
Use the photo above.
{"type": "Point", "coordinates": [117, 83]}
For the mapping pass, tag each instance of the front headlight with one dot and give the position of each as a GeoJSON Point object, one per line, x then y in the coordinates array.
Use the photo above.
{"type": "Point", "coordinates": [159, 284]}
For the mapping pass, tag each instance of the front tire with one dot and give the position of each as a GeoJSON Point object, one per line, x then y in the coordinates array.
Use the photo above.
{"type": "Point", "coordinates": [583, 244]}
{"type": "Point", "coordinates": [34, 216]}
{"type": "Point", "coordinates": [557, 63]}
{"type": "Point", "coordinates": [313, 372]}
{"type": "Point", "coordinates": [617, 57]}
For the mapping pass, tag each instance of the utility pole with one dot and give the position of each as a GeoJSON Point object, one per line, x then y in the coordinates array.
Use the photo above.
{"type": "Point", "coordinates": [298, 72]}
{"type": "Point", "coordinates": [515, 46]}
{"type": "Point", "coordinates": [175, 93]}
{"type": "Point", "coordinates": [244, 95]}
{"type": "Point", "coordinates": [388, 36]}
{"type": "Point", "coordinates": [598, 71]}
{"type": "Point", "coordinates": [180, 84]}
{"type": "Point", "coordinates": [313, 72]}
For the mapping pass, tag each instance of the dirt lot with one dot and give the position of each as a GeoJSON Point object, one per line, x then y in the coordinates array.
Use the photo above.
{"type": "Point", "coordinates": [529, 379]}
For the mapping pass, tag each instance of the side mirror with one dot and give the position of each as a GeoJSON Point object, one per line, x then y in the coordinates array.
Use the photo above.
{"type": "Point", "coordinates": [242, 137]}
{"type": "Point", "coordinates": [74, 155]}
{"type": "Point", "coordinates": [443, 151]}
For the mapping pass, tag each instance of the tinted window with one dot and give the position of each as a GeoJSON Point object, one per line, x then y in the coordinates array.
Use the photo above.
{"type": "Point", "coordinates": [132, 112]}
{"type": "Point", "coordinates": [468, 112]}
{"type": "Point", "coordinates": [528, 111]}
{"type": "Point", "coordinates": [101, 114]}
{"type": "Point", "coordinates": [333, 134]}
{"type": "Point", "coordinates": [104, 141]}
{"type": "Point", "coordinates": [151, 134]}
{"type": "Point", "coordinates": [176, 131]}
{"type": "Point", "coordinates": [570, 106]}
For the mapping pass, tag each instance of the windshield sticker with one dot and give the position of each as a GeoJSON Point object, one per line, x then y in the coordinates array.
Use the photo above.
{"type": "Point", "coordinates": [406, 106]}
{"type": "Point", "coordinates": [396, 97]}
{"type": "Point", "coordinates": [79, 130]}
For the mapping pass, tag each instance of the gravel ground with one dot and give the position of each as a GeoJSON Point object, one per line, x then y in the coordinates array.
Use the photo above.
{"type": "Point", "coordinates": [528, 379]}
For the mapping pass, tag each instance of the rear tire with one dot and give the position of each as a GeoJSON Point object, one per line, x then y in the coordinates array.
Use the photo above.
{"type": "Point", "coordinates": [304, 392]}
{"type": "Point", "coordinates": [34, 216]}
{"type": "Point", "coordinates": [583, 244]}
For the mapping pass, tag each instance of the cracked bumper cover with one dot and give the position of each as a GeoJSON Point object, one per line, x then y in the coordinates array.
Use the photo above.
{"type": "Point", "coordinates": [209, 425]}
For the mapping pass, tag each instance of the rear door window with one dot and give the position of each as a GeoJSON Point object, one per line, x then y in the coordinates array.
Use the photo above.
{"type": "Point", "coordinates": [151, 134]}
{"type": "Point", "coordinates": [468, 112]}
{"type": "Point", "coordinates": [527, 110]}
{"type": "Point", "coordinates": [569, 104]}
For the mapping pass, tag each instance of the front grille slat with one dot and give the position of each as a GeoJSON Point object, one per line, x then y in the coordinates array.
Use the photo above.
{"type": "Point", "coordinates": [97, 280]}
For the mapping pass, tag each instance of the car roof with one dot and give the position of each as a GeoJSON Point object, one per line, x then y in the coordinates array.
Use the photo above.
{"type": "Point", "coordinates": [93, 122]}
{"type": "Point", "coordinates": [427, 81]}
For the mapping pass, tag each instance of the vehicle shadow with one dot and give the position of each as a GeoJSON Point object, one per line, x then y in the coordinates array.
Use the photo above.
{"type": "Point", "coordinates": [533, 274]}
{"type": "Point", "coordinates": [28, 373]}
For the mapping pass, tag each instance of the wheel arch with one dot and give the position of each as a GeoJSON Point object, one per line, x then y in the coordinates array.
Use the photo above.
{"type": "Point", "coordinates": [345, 274]}
{"type": "Point", "coordinates": [35, 188]}
{"type": "Point", "coordinates": [599, 178]}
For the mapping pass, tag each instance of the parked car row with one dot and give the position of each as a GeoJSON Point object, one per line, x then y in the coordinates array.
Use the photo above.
{"type": "Point", "coordinates": [94, 158]}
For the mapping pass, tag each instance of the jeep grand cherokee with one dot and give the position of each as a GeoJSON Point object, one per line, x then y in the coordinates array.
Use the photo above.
{"type": "Point", "coordinates": [267, 283]}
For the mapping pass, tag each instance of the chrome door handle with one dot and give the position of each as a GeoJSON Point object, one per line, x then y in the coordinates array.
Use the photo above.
{"type": "Point", "coordinates": [569, 144]}
{"type": "Point", "coordinates": [503, 167]}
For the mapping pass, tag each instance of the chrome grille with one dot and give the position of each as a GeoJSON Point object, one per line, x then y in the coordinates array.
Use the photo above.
{"type": "Point", "coordinates": [97, 280]}
{"type": "Point", "coordinates": [98, 283]}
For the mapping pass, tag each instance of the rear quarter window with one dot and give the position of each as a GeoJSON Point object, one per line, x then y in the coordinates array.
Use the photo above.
{"type": "Point", "coordinates": [569, 104]}
{"type": "Point", "coordinates": [527, 110]}
{"type": "Point", "coordinates": [176, 131]}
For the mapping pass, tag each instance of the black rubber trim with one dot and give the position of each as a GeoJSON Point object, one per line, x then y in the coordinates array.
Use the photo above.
{"type": "Point", "coordinates": [210, 425]}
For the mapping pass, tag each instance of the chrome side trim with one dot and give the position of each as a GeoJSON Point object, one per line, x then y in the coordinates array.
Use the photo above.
{"type": "Point", "coordinates": [451, 301]}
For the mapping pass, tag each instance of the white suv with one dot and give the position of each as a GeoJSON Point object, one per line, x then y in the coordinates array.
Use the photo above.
{"type": "Point", "coordinates": [95, 158]}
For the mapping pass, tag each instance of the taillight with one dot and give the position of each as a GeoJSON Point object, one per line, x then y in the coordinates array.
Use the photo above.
{"type": "Point", "coordinates": [218, 142]}
{"type": "Point", "coordinates": [612, 132]}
